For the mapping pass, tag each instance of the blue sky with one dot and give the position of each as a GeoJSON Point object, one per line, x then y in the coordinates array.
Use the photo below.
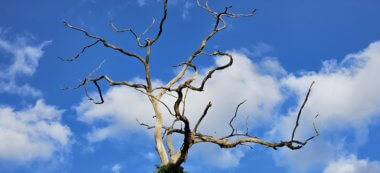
{"type": "Point", "coordinates": [278, 53]}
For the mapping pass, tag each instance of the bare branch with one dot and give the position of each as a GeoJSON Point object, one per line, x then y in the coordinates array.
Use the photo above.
{"type": "Point", "coordinates": [137, 37]}
{"type": "Point", "coordinates": [96, 69]}
{"type": "Point", "coordinates": [246, 125]}
{"type": "Point", "coordinates": [300, 110]}
{"type": "Point", "coordinates": [315, 130]}
{"type": "Point", "coordinates": [201, 118]}
{"type": "Point", "coordinates": [169, 142]}
{"type": "Point", "coordinates": [155, 98]}
{"type": "Point", "coordinates": [100, 93]}
{"type": "Point", "coordinates": [110, 82]}
{"type": "Point", "coordinates": [131, 31]}
{"type": "Point", "coordinates": [148, 28]}
{"type": "Point", "coordinates": [80, 53]}
{"type": "Point", "coordinates": [105, 43]}
{"type": "Point", "coordinates": [207, 8]}
{"type": "Point", "coordinates": [161, 23]}
{"type": "Point", "coordinates": [195, 53]}
{"type": "Point", "coordinates": [145, 125]}
{"type": "Point", "coordinates": [209, 74]}
{"type": "Point", "coordinates": [232, 119]}
{"type": "Point", "coordinates": [113, 83]}
{"type": "Point", "coordinates": [234, 15]}
{"type": "Point", "coordinates": [184, 101]}
{"type": "Point", "coordinates": [225, 143]}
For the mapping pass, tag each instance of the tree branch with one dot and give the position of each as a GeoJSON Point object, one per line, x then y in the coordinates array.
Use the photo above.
{"type": "Point", "coordinates": [137, 37]}
{"type": "Point", "coordinates": [232, 119]}
{"type": "Point", "coordinates": [161, 23]}
{"type": "Point", "coordinates": [105, 43]}
{"type": "Point", "coordinates": [110, 82]}
{"type": "Point", "coordinates": [209, 74]}
{"type": "Point", "coordinates": [169, 142]}
{"type": "Point", "coordinates": [80, 52]}
{"type": "Point", "coordinates": [300, 110]}
{"type": "Point", "coordinates": [195, 53]}
{"type": "Point", "coordinates": [201, 118]}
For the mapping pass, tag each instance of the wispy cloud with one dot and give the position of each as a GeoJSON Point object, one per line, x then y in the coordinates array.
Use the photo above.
{"type": "Point", "coordinates": [24, 58]}
{"type": "Point", "coordinates": [116, 168]}
{"type": "Point", "coordinates": [186, 9]}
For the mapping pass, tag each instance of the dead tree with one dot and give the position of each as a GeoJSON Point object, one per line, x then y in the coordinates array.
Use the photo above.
{"type": "Point", "coordinates": [178, 86]}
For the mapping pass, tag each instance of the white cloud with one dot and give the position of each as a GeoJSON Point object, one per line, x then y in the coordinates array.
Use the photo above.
{"type": "Point", "coordinates": [32, 133]}
{"type": "Point", "coordinates": [116, 168]}
{"type": "Point", "coordinates": [345, 96]}
{"type": "Point", "coordinates": [226, 158]}
{"type": "Point", "coordinates": [23, 90]}
{"type": "Point", "coordinates": [24, 62]}
{"type": "Point", "coordinates": [186, 8]}
{"type": "Point", "coordinates": [217, 157]}
{"type": "Point", "coordinates": [121, 108]}
{"type": "Point", "coordinates": [271, 66]}
{"type": "Point", "coordinates": [351, 164]}
{"type": "Point", "coordinates": [243, 80]}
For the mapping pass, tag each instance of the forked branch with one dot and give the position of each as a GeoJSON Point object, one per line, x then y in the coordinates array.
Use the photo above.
{"type": "Point", "coordinates": [300, 111]}
{"type": "Point", "coordinates": [209, 74]}
{"type": "Point", "coordinates": [99, 39]}
{"type": "Point", "coordinates": [225, 142]}
{"type": "Point", "coordinates": [137, 37]}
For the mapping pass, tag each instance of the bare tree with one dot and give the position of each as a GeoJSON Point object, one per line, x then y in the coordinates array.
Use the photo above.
{"type": "Point", "coordinates": [178, 88]}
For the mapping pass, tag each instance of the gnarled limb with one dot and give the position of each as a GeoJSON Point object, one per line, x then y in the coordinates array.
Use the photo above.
{"type": "Point", "coordinates": [209, 74]}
